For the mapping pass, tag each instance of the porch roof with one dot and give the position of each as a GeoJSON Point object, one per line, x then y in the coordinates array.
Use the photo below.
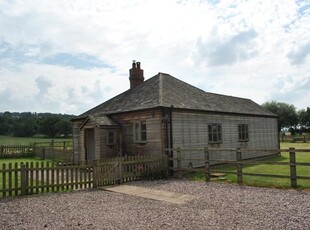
{"type": "Point", "coordinates": [103, 120]}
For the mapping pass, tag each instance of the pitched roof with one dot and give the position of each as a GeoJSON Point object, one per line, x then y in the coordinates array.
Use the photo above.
{"type": "Point", "coordinates": [163, 90]}
{"type": "Point", "coordinates": [99, 121]}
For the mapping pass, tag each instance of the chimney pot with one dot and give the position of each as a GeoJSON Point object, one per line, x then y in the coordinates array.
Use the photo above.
{"type": "Point", "coordinates": [136, 75]}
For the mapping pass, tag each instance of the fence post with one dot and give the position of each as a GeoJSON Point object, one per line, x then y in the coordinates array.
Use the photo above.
{"type": "Point", "coordinates": [179, 163]}
{"type": "Point", "coordinates": [35, 149]}
{"type": "Point", "coordinates": [293, 167]}
{"type": "Point", "coordinates": [24, 179]}
{"type": "Point", "coordinates": [120, 170]}
{"type": "Point", "coordinates": [95, 184]}
{"type": "Point", "coordinates": [239, 166]}
{"type": "Point", "coordinates": [52, 147]}
{"type": "Point", "coordinates": [43, 153]}
{"type": "Point", "coordinates": [207, 164]}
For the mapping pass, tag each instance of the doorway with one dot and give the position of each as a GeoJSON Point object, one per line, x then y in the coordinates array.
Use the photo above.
{"type": "Point", "coordinates": [89, 145]}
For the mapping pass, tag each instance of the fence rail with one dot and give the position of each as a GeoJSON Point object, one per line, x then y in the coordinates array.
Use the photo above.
{"type": "Point", "coordinates": [32, 178]}
{"type": "Point", "coordinates": [239, 162]}
{"type": "Point", "coordinates": [60, 151]}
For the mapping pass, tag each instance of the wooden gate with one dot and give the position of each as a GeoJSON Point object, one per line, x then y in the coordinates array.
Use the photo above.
{"type": "Point", "coordinates": [130, 168]}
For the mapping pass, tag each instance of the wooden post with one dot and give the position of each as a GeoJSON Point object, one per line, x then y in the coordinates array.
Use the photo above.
{"type": "Point", "coordinates": [35, 149]}
{"type": "Point", "coordinates": [52, 147]}
{"type": "Point", "coordinates": [3, 180]}
{"type": "Point", "coordinates": [207, 164]}
{"type": "Point", "coordinates": [179, 163]}
{"type": "Point", "coordinates": [43, 153]}
{"type": "Point", "coordinates": [24, 179]}
{"type": "Point", "coordinates": [120, 170]}
{"type": "Point", "coordinates": [95, 184]}
{"type": "Point", "coordinates": [293, 168]}
{"type": "Point", "coordinates": [239, 166]}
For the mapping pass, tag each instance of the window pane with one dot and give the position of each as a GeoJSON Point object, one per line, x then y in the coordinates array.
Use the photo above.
{"type": "Point", "coordinates": [215, 132]}
{"type": "Point", "coordinates": [137, 131]}
{"type": "Point", "coordinates": [210, 136]}
{"type": "Point", "coordinates": [243, 132]}
{"type": "Point", "coordinates": [143, 136]}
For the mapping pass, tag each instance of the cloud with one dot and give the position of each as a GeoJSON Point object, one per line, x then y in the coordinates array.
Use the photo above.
{"type": "Point", "coordinates": [43, 84]}
{"type": "Point", "coordinates": [296, 93]}
{"type": "Point", "coordinates": [68, 56]}
{"type": "Point", "coordinates": [224, 51]}
{"type": "Point", "coordinates": [299, 56]}
{"type": "Point", "coordinates": [78, 61]}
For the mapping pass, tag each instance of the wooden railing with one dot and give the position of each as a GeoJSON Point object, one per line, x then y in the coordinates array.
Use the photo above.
{"type": "Point", "coordinates": [239, 162]}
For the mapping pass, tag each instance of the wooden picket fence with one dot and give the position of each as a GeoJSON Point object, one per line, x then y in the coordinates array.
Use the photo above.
{"type": "Point", "coordinates": [33, 178]}
{"type": "Point", "coordinates": [15, 151]}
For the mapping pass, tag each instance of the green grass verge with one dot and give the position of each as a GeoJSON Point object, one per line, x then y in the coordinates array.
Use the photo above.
{"type": "Point", "coordinates": [7, 140]}
{"type": "Point", "coordinates": [267, 169]}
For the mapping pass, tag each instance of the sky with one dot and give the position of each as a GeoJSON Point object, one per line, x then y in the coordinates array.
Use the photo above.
{"type": "Point", "coordinates": [68, 56]}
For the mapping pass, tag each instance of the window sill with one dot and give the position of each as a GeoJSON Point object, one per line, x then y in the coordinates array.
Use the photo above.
{"type": "Point", "coordinates": [243, 140]}
{"type": "Point", "coordinates": [140, 142]}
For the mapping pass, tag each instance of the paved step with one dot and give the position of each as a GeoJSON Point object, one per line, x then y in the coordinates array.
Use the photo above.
{"type": "Point", "coordinates": [171, 197]}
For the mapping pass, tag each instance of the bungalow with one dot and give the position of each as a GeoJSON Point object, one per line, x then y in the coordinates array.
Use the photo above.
{"type": "Point", "coordinates": [164, 112]}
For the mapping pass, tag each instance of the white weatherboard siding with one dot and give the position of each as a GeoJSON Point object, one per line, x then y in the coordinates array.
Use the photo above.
{"type": "Point", "coordinates": [190, 130]}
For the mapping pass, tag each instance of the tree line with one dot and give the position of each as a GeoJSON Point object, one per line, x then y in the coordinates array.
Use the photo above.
{"type": "Point", "coordinates": [27, 124]}
{"type": "Point", "coordinates": [289, 119]}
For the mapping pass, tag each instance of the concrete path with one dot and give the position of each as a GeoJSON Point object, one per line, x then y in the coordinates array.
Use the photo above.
{"type": "Point", "coordinates": [171, 197]}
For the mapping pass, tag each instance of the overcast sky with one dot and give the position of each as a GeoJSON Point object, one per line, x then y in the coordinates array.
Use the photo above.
{"type": "Point", "coordinates": [69, 56]}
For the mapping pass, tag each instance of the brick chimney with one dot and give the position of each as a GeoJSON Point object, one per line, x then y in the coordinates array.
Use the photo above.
{"type": "Point", "coordinates": [135, 75]}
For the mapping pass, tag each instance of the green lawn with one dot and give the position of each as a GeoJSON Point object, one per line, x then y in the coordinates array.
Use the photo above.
{"type": "Point", "coordinates": [7, 140]}
{"type": "Point", "coordinates": [269, 169]}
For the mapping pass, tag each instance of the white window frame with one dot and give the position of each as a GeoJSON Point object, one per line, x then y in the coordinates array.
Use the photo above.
{"type": "Point", "coordinates": [140, 132]}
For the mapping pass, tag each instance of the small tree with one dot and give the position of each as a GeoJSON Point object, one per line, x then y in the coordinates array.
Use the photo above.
{"type": "Point", "coordinates": [288, 117]}
{"type": "Point", "coordinates": [304, 119]}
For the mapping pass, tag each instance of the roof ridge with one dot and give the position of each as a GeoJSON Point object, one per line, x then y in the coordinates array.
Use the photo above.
{"type": "Point", "coordinates": [160, 89]}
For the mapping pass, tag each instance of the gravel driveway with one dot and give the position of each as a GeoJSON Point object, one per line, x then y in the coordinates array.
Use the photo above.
{"type": "Point", "coordinates": [215, 206]}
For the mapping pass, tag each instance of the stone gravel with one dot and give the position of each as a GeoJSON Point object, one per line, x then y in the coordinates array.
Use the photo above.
{"type": "Point", "coordinates": [215, 206]}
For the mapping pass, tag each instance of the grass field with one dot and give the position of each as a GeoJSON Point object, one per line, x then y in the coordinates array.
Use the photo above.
{"type": "Point", "coordinates": [6, 140]}
{"type": "Point", "coordinates": [269, 169]}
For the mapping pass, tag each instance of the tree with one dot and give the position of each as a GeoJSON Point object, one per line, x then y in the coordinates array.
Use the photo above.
{"type": "Point", "coordinates": [64, 127]}
{"type": "Point", "coordinates": [304, 119]}
{"type": "Point", "coordinates": [49, 126]}
{"type": "Point", "coordinates": [287, 115]}
{"type": "Point", "coordinates": [25, 127]}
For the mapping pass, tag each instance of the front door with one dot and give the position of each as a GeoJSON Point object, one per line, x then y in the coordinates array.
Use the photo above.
{"type": "Point", "coordinates": [89, 145]}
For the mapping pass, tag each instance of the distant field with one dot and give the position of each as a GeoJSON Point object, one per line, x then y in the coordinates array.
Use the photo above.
{"type": "Point", "coordinates": [6, 140]}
